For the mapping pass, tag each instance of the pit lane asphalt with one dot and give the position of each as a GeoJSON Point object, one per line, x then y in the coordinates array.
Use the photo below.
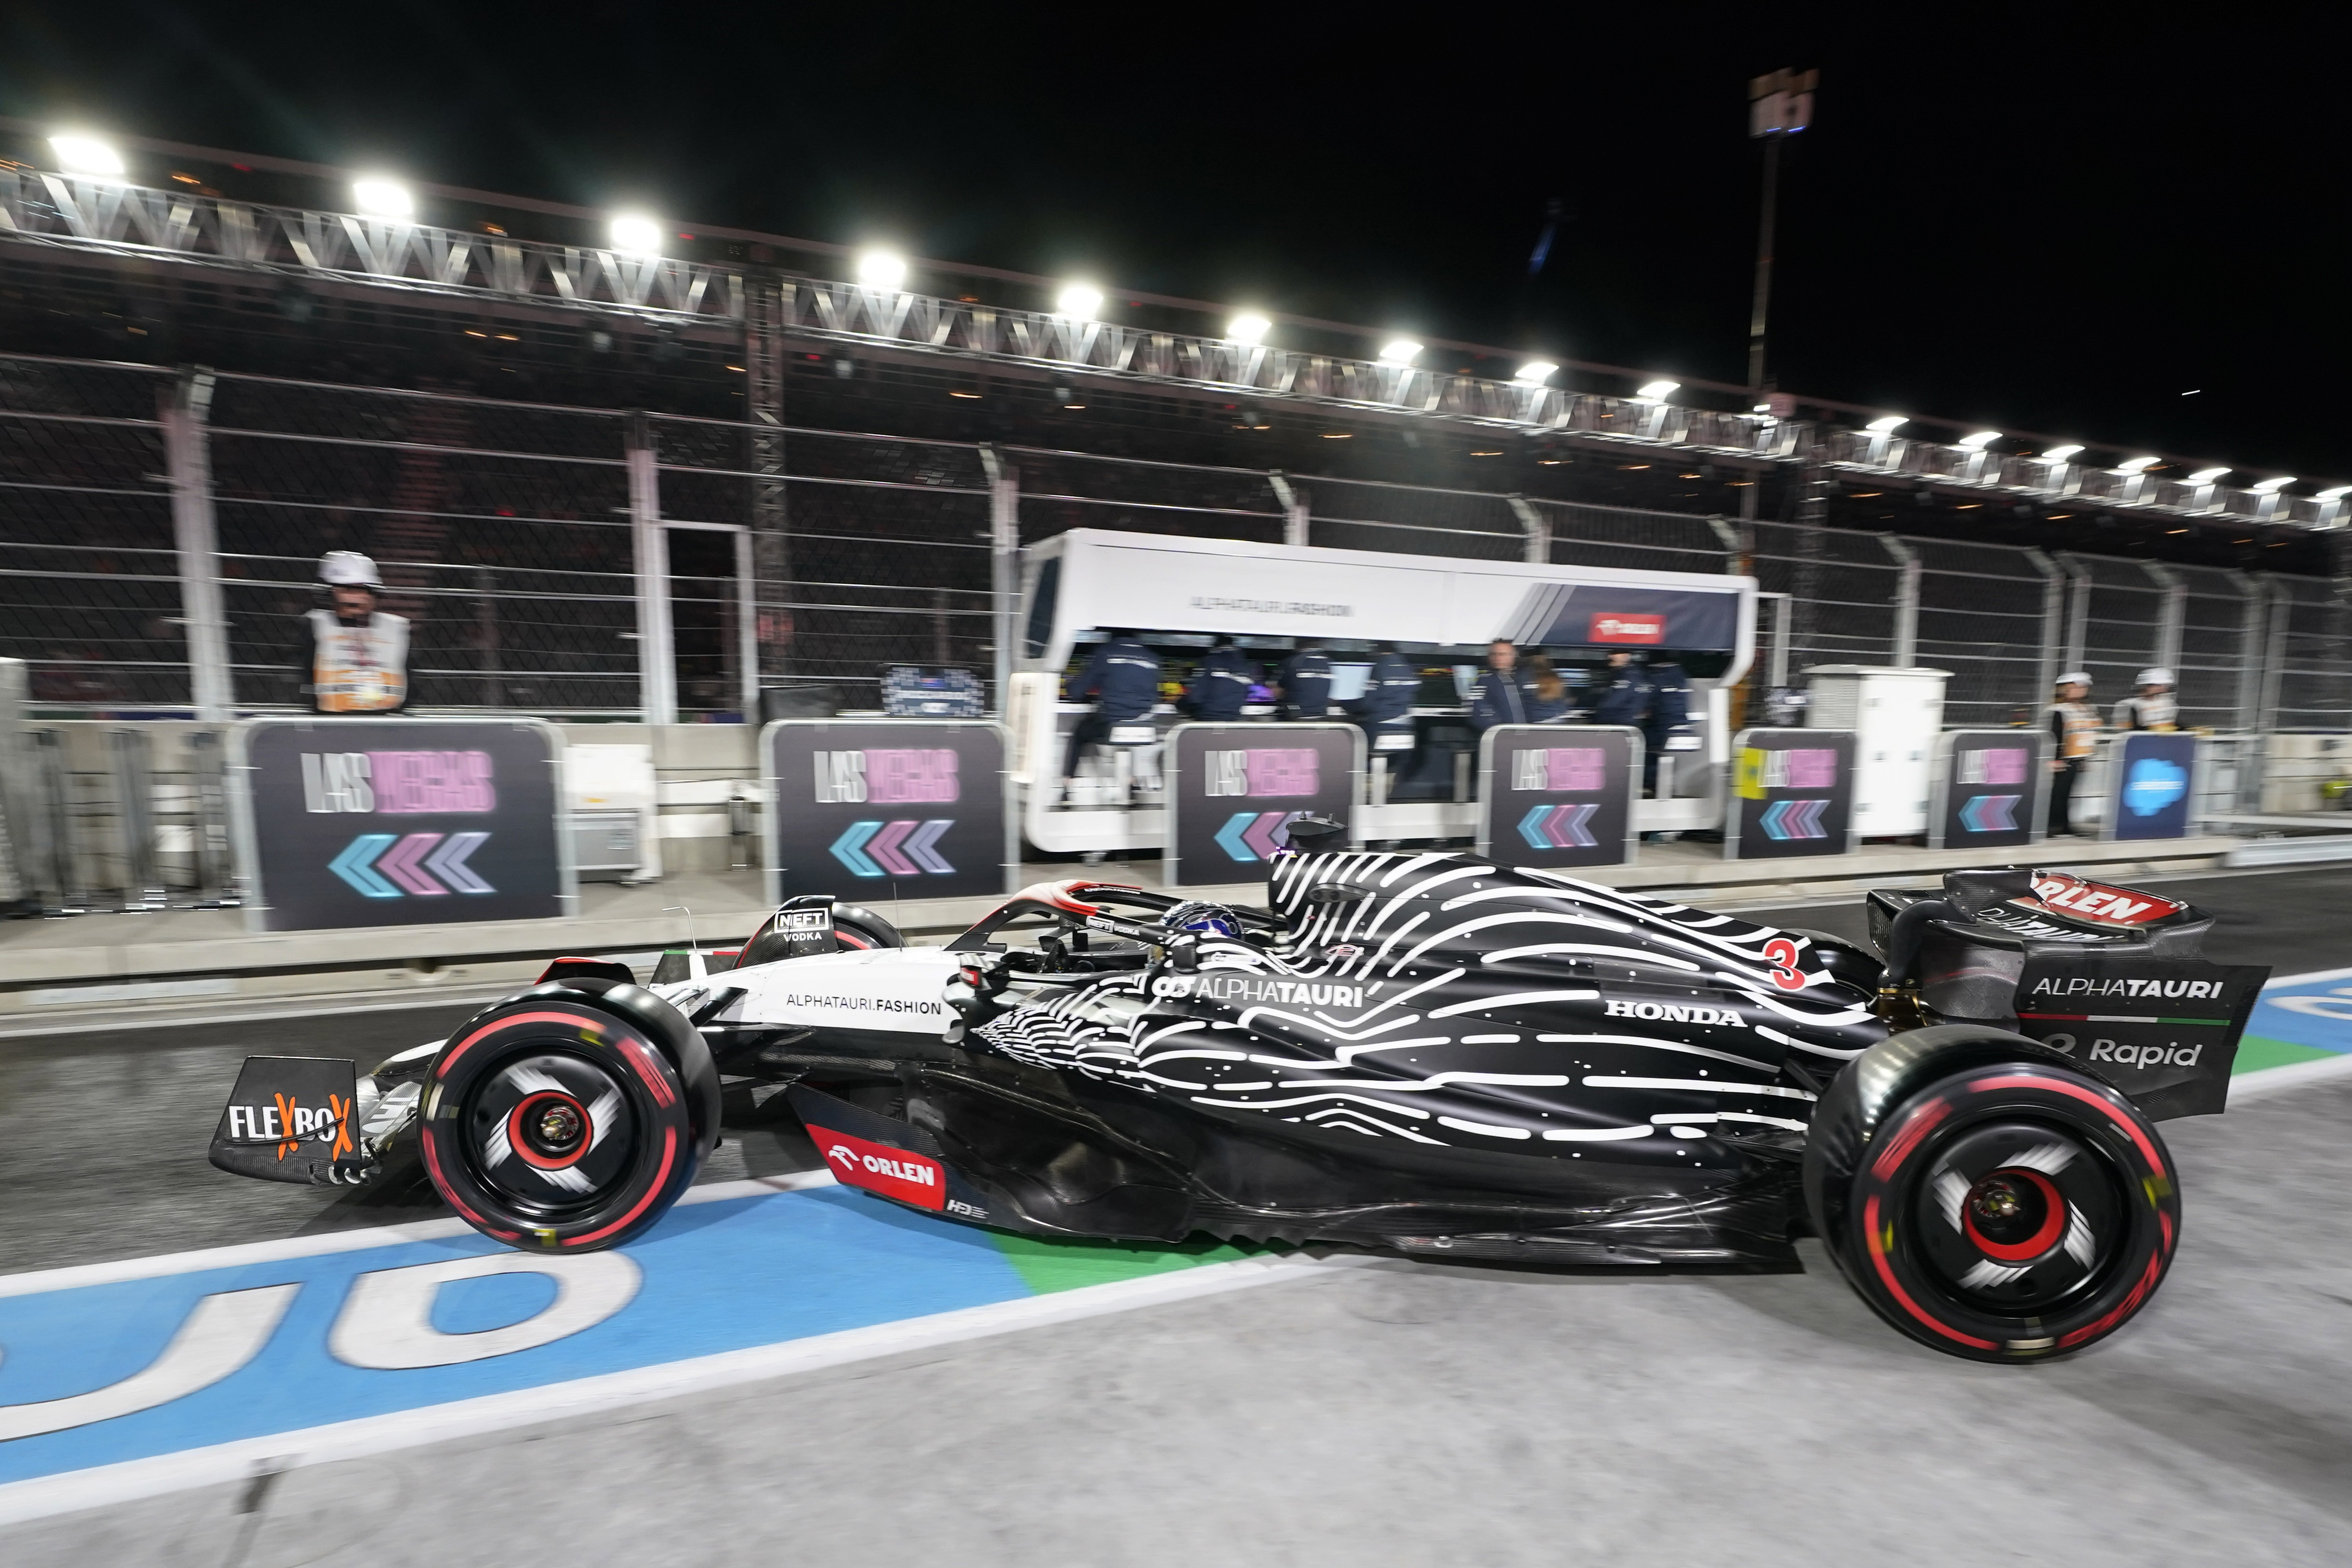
{"type": "Point", "coordinates": [1404, 1413]}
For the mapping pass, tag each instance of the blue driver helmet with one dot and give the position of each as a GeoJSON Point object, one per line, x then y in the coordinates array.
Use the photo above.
{"type": "Point", "coordinates": [1211, 919]}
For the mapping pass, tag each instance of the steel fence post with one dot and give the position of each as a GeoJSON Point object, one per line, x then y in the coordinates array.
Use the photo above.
{"type": "Point", "coordinates": [2053, 621]}
{"type": "Point", "coordinates": [1537, 551]}
{"type": "Point", "coordinates": [1295, 524]}
{"type": "Point", "coordinates": [196, 537]}
{"type": "Point", "coordinates": [650, 553]}
{"type": "Point", "coordinates": [1907, 600]}
{"type": "Point", "coordinates": [1003, 562]}
{"type": "Point", "coordinates": [2171, 623]}
{"type": "Point", "coordinates": [2078, 621]}
{"type": "Point", "coordinates": [2266, 715]}
{"type": "Point", "coordinates": [772, 558]}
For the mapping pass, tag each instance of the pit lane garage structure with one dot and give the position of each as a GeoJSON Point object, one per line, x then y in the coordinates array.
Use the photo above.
{"type": "Point", "coordinates": [1178, 593]}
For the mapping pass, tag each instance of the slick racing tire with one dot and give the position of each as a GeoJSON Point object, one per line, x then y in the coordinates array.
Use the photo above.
{"type": "Point", "coordinates": [1989, 1198]}
{"type": "Point", "coordinates": [564, 1122]}
{"type": "Point", "coordinates": [855, 926]}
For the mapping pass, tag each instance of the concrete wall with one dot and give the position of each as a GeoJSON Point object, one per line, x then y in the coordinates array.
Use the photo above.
{"type": "Point", "coordinates": [2297, 765]}
{"type": "Point", "coordinates": [697, 768]}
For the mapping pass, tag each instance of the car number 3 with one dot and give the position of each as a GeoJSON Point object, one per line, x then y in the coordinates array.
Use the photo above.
{"type": "Point", "coordinates": [1781, 954]}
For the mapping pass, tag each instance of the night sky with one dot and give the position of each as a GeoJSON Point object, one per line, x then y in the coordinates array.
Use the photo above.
{"type": "Point", "coordinates": [2015, 223]}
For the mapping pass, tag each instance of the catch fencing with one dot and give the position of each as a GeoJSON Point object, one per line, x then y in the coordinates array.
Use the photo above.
{"type": "Point", "coordinates": [593, 564]}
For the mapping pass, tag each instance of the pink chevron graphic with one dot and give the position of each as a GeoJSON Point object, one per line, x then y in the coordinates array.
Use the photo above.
{"type": "Point", "coordinates": [885, 849]}
{"type": "Point", "coordinates": [1266, 834]}
{"type": "Point", "coordinates": [400, 864]}
{"type": "Point", "coordinates": [1566, 828]}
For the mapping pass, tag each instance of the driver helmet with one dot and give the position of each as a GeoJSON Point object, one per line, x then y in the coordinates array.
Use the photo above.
{"type": "Point", "coordinates": [1197, 914]}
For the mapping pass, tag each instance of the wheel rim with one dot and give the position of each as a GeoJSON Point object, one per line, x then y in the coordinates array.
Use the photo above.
{"type": "Point", "coordinates": [2018, 1216]}
{"type": "Point", "coordinates": [551, 1131]}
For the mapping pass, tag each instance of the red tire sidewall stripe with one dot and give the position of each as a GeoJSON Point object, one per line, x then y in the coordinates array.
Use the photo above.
{"type": "Point", "coordinates": [1895, 1287]}
{"type": "Point", "coordinates": [2089, 1096]}
{"type": "Point", "coordinates": [661, 1181]}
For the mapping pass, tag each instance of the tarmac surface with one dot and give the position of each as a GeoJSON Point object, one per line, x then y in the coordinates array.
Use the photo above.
{"type": "Point", "coordinates": [1392, 1413]}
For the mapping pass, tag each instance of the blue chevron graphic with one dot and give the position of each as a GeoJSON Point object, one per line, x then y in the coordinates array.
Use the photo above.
{"type": "Point", "coordinates": [1990, 813]}
{"type": "Point", "coordinates": [850, 849]}
{"type": "Point", "coordinates": [1531, 828]}
{"type": "Point", "coordinates": [352, 865]}
{"type": "Point", "coordinates": [1229, 837]}
{"type": "Point", "coordinates": [1786, 819]}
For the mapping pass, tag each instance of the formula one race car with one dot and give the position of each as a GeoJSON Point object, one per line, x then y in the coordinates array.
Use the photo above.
{"type": "Point", "coordinates": [1421, 1052]}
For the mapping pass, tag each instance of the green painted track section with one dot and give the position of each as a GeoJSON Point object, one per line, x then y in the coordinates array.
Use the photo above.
{"type": "Point", "coordinates": [2256, 1052]}
{"type": "Point", "coordinates": [1046, 1266]}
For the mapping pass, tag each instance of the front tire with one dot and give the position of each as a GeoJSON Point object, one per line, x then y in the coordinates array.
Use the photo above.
{"type": "Point", "coordinates": [553, 1123]}
{"type": "Point", "coordinates": [1989, 1201]}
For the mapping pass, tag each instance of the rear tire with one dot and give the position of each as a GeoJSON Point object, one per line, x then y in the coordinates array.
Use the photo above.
{"type": "Point", "coordinates": [551, 1122]}
{"type": "Point", "coordinates": [855, 926]}
{"type": "Point", "coordinates": [1989, 1200]}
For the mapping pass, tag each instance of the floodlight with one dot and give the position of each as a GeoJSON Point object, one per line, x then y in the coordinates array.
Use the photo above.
{"type": "Point", "coordinates": [1885, 423]}
{"type": "Point", "coordinates": [2060, 454]}
{"type": "Point", "coordinates": [882, 269]}
{"type": "Point", "coordinates": [2134, 465]}
{"type": "Point", "coordinates": [1400, 351]}
{"type": "Point", "coordinates": [85, 155]}
{"type": "Point", "coordinates": [2205, 476]}
{"type": "Point", "coordinates": [1078, 302]}
{"type": "Point", "coordinates": [1247, 328]}
{"type": "Point", "coordinates": [2273, 486]}
{"type": "Point", "coordinates": [1658, 392]}
{"type": "Point", "coordinates": [1981, 439]}
{"type": "Point", "coordinates": [2337, 494]}
{"type": "Point", "coordinates": [1534, 373]}
{"type": "Point", "coordinates": [637, 234]}
{"type": "Point", "coordinates": [383, 199]}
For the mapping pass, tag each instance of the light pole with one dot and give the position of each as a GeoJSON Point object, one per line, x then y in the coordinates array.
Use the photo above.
{"type": "Point", "coordinates": [1780, 104]}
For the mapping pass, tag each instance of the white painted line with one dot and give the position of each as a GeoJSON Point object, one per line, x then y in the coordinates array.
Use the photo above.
{"type": "Point", "coordinates": [293, 1009]}
{"type": "Point", "coordinates": [2276, 982]}
{"type": "Point", "coordinates": [107, 1485]}
{"type": "Point", "coordinates": [329, 1241]}
{"type": "Point", "coordinates": [2270, 1081]}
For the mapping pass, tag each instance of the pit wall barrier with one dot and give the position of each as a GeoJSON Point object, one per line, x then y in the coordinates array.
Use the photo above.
{"type": "Point", "coordinates": [881, 809]}
{"type": "Point", "coordinates": [1553, 799]}
{"type": "Point", "coordinates": [350, 822]}
{"type": "Point", "coordinates": [134, 815]}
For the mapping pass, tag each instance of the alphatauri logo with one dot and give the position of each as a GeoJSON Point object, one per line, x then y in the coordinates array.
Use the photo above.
{"type": "Point", "coordinates": [1677, 1012]}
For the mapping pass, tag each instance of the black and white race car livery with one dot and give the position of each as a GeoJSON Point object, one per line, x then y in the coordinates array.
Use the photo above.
{"type": "Point", "coordinates": [1421, 1052]}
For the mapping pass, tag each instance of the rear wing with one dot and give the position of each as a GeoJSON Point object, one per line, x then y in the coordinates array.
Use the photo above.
{"type": "Point", "coordinates": [2113, 977]}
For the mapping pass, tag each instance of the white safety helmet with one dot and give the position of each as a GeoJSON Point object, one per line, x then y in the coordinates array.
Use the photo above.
{"type": "Point", "coordinates": [2158, 677]}
{"type": "Point", "coordinates": [348, 569]}
{"type": "Point", "coordinates": [2076, 678]}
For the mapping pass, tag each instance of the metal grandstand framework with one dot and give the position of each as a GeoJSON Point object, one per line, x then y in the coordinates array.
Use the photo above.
{"type": "Point", "coordinates": [164, 531]}
{"type": "Point", "coordinates": [114, 218]}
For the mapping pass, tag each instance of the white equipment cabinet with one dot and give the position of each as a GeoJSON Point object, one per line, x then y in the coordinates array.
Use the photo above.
{"type": "Point", "coordinates": [1896, 715]}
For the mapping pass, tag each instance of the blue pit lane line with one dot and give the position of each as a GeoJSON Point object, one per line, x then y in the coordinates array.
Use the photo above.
{"type": "Point", "coordinates": [743, 1281]}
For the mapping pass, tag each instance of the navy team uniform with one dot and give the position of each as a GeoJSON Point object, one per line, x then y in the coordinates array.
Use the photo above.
{"type": "Point", "coordinates": [1306, 681]}
{"type": "Point", "coordinates": [1669, 707]}
{"type": "Point", "coordinates": [1386, 706]}
{"type": "Point", "coordinates": [1625, 698]}
{"type": "Point", "coordinates": [1499, 699]}
{"type": "Point", "coordinates": [1123, 677]}
{"type": "Point", "coordinates": [1222, 687]}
